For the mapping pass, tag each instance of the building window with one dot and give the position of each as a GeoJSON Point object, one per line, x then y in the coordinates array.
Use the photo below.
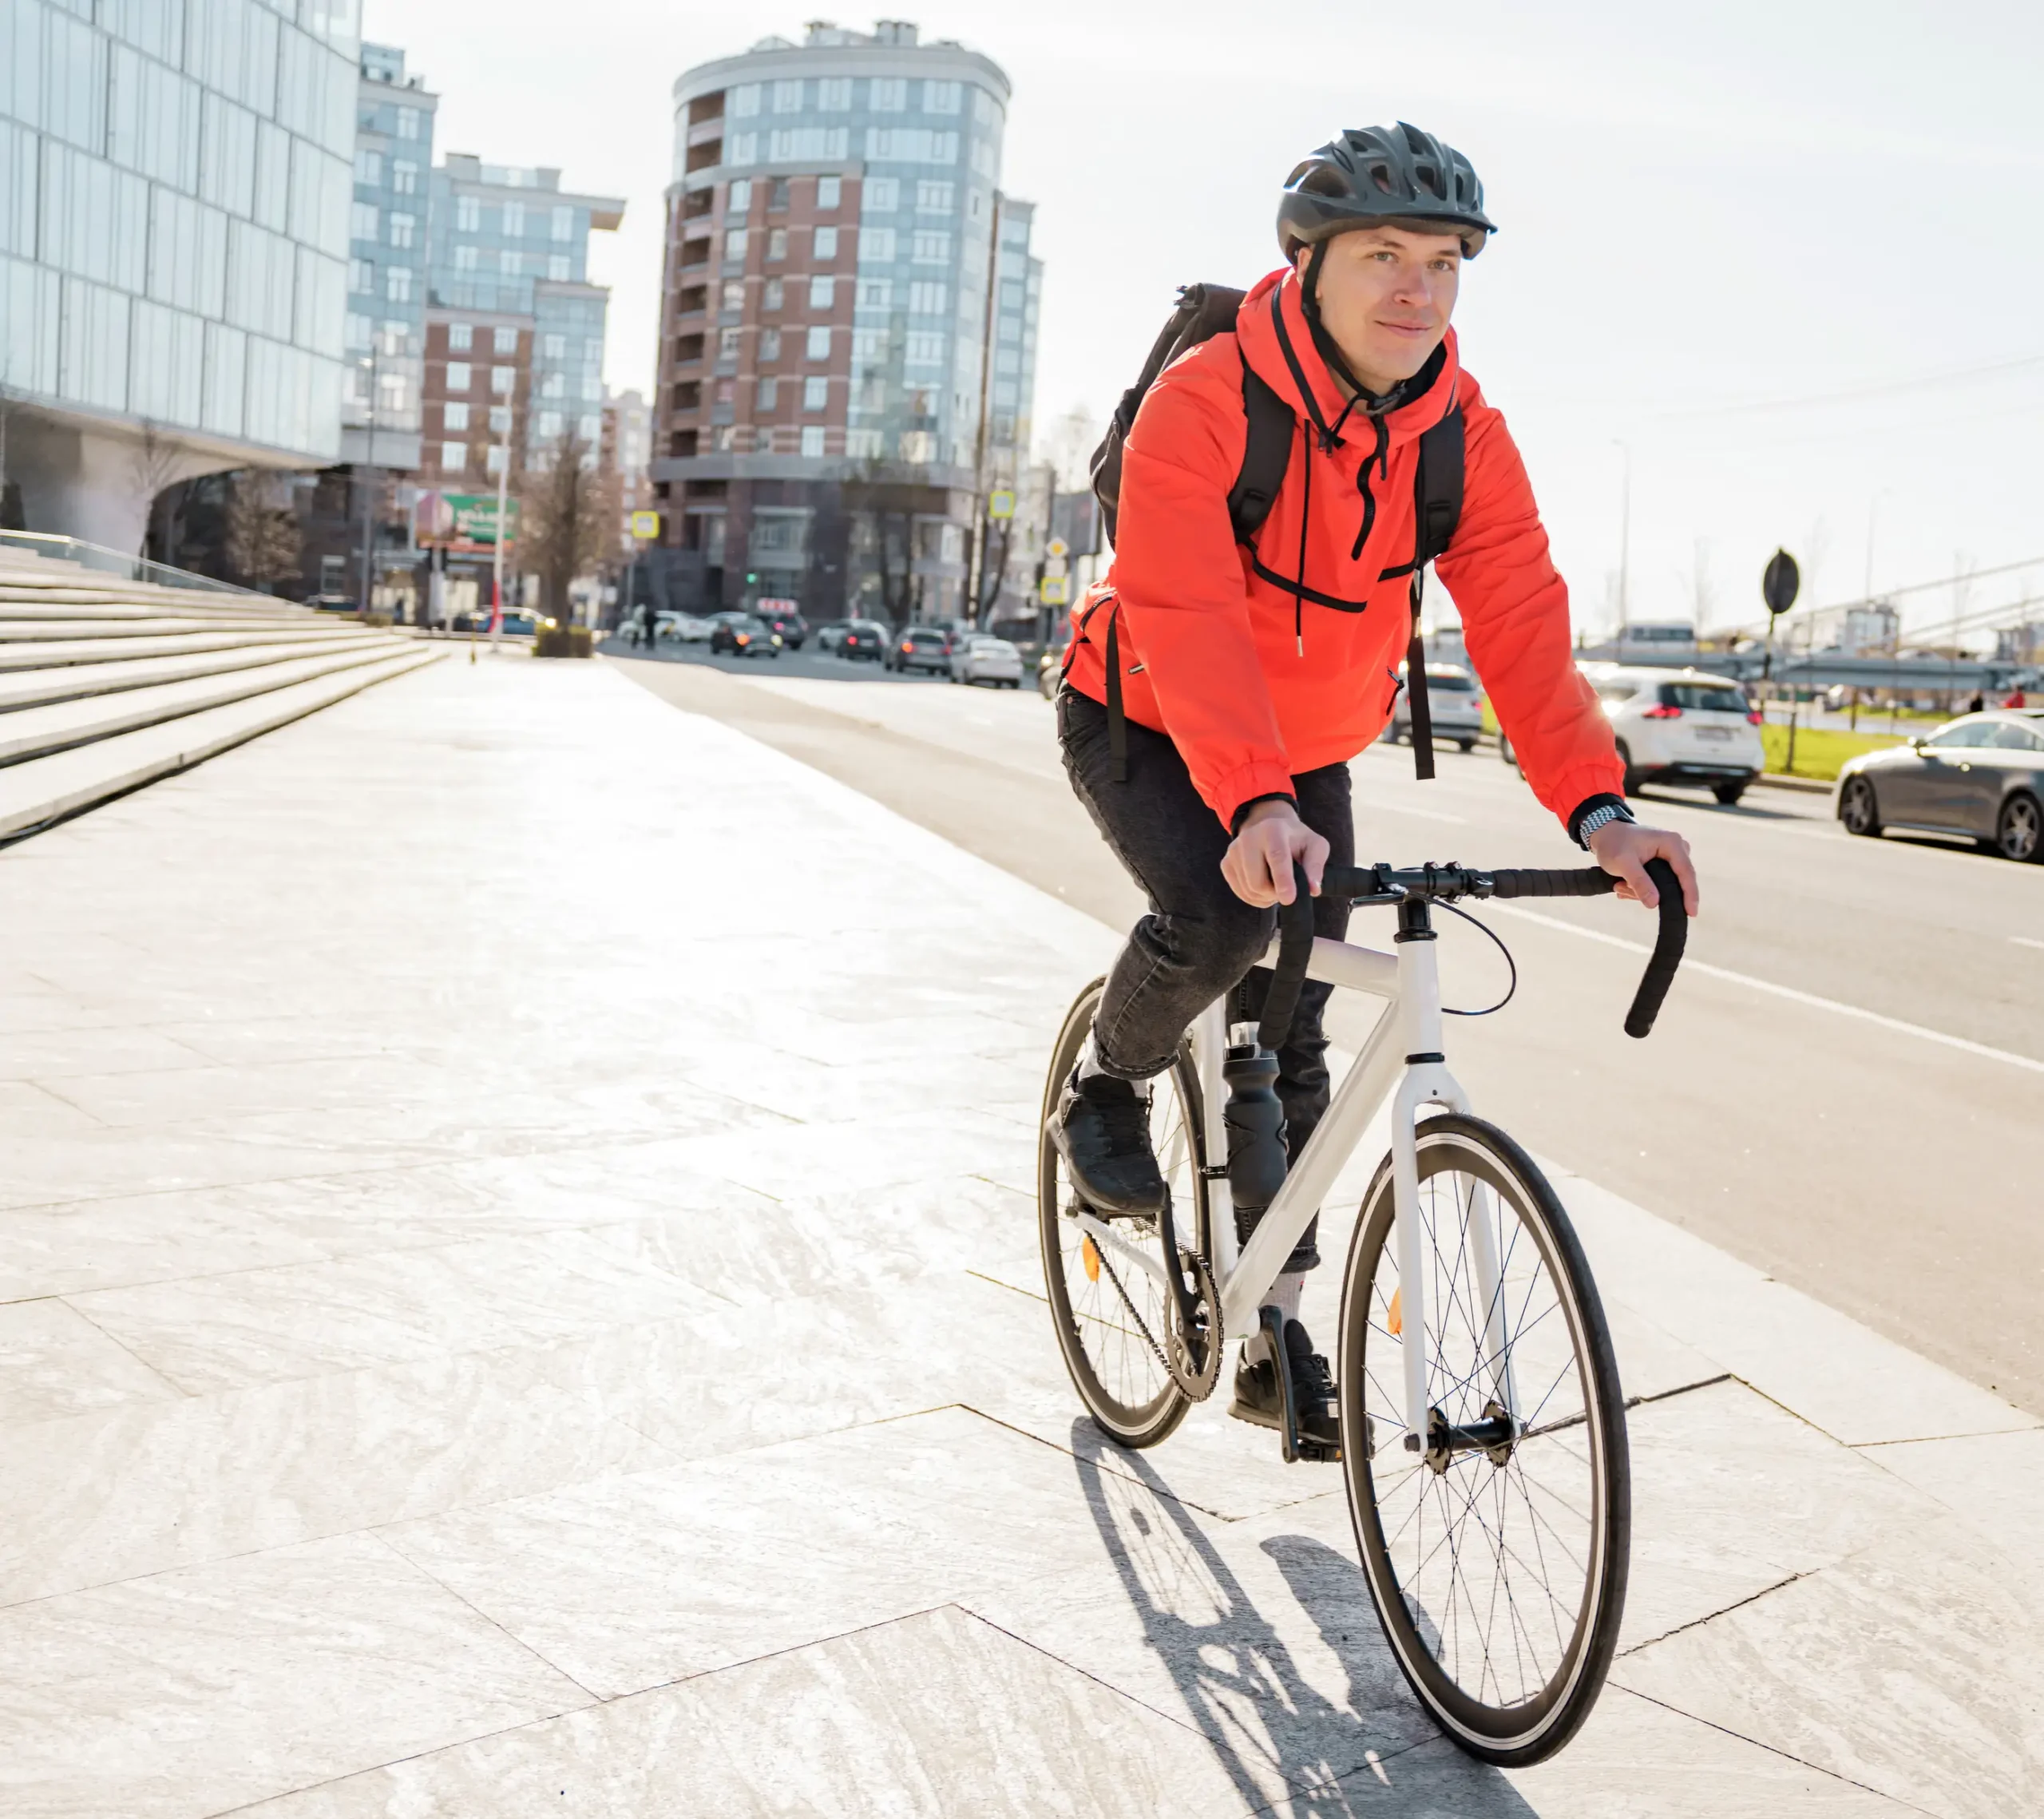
{"type": "Point", "coordinates": [812, 440]}
{"type": "Point", "coordinates": [504, 341]}
{"type": "Point", "coordinates": [455, 454]}
{"type": "Point", "coordinates": [745, 100]}
{"type": "Point", "coordinates": [931, 247]}
{"type": "Point", "coordinates": [459, 376]}
{"type": "Point", "coordinates": [369, 167]}
{"type": "Point", "coordinates": [591, 430]}
{"type": "Point", "coordinates": [464, 259]}
{"type": "Point", "coordinates": [407, 123]}
{"type": "Point", "coordinates": [562, 222]}
{"type": "Point", "coordinates": [787, 96]}
{"type": "Point", "coordinates": [504, 380]}
{"type": "Point", "coordinates": [826, 242]}
{"type": "Point", "coordinates": [876, 293]}
{"type": "Point", "coordinates": [927, 298]}
{"type": "Point", "coordinates": [736, 239]}
{"type": "Point", "coordinates": [830, 192]}
{"type": "Point", "coordinates": [397, 285]}
{"type": "Point", "coordinates": [777, 244]}
{"type": "Point", "coordinates": [876, 246]}
{"type": "Point", "coordinates": [558, 268]}
{"type": "Point", "coordinates": [550, 426]}
{"type": "Point", "coordinates": [815, 393]}
{"type": "Point", "coordinates": [727, 343]}
{"type": "Point", "coordinates": [776, 196]}
{"type": "Point", "coordinates": [934, 198]}
{"type": "Point", "coordinates": [362, 223]}
{"type": "Point", "coordinates": [499, 419]}
{"type": "Point", "coordinates": [889, 94]}
{"type": "Point", "coordinates": [770, 393]}
{"type": "Point", "coordinates": [403, 228]}
{"type": "Point", "coordinates": [738, 201]}
{"type": "Point", "coordinates": [494, 461]}
{"type": "Point", "coordinates": [554, 347]}
{"type": "Point", "coordinates": [773, 296]}
{"type": "Point", "coordinates": [881, 196]}
{"type": "Point", "coordinates": [769, 344]}
{"type": "Point", "coordinates": [554, 386]}
{"type": "Point", "coordinates": [865, 444]}
{"type": "Point", "coordinates": [735, 294]}
{"type": "Point", "coordinates": [821, 291]}
{"type": "Point", "coordinates": [362, 276]}
{"type": "Point", "coordinates": [943, 97]}
{"type": "Point", "coordinates": [918, 447]}
{"type": "Point", "coordinates": [404, 176]}
{"type": "Point", "coordinates": [819, 344]}
{"type": "Point", "coordinates": [925, 351]}
{"type": "Point", "coordinates": [468, 214]}
{"type": "Point", "coordinates": [507, 263]}
{"type": "Point", "coordinates": [514, 221]}
{"type": "Point", "coordinates": [454, 417]}
{"type": "Point", "coordinates": [834, 95]}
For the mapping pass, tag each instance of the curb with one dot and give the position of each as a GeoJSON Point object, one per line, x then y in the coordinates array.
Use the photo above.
{"type": "Point", "coordinates": [1812, 786]}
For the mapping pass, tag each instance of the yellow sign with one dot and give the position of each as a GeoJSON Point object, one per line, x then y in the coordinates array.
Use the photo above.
{"type": "Point", "coordinates": [1000, 504]}
{"type": "Point", "coordinates": [1058, 549]}
{"type": "Point", "coordinates": [646, 526]}
{"type": "Point", "coordinates": [1056, 590]}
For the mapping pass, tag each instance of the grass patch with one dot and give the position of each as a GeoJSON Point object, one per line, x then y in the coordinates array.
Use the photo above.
{"type": "Point", "coordinates": [1820, 750]}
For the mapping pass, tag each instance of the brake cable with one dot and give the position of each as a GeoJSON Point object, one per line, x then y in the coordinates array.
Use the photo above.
{"type": "Point", "coordinates": [1510, 990]}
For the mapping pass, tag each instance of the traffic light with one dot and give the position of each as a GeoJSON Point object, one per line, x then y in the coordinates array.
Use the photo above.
{"type": "Point", "coordinates": [751, 580]}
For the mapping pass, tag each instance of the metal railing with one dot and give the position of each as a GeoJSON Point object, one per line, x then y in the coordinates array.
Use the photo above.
{"type": "Point", "coordinates": [112, 561]}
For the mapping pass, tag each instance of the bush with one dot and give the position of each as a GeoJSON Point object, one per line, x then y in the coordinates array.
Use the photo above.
{"type": "Point", "coordinates": [563, 641]}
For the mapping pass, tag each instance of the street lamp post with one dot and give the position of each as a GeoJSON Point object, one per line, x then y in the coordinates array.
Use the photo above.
{"type": "Point", "coordinates": [369, 475]}
{"type": "Point", "coordinates": [497, 543]}
{"type": "Point", "coordinates": [1624, 539]}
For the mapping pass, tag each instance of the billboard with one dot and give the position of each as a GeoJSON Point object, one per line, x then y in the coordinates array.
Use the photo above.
{"type": "Point", "coordinates": [463, 524]}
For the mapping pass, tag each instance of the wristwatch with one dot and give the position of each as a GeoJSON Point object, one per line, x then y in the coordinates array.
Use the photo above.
{"type": "Point", "coordinates": [1600, 817]}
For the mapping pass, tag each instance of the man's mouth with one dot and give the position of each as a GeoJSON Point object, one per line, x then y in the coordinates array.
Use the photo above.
{"type": "Point", "coordinates": [1414, 329]}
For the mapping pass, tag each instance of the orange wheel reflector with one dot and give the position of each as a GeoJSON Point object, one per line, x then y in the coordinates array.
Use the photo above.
{"type": "Point", "coordinates": [1092, 1258]}
{"type": "Point", "coordinates": [1395, 1320]}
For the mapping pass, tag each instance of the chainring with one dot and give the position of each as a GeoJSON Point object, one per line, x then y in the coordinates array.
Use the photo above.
{"type": "Point", "coordinates": [1193, 1358]}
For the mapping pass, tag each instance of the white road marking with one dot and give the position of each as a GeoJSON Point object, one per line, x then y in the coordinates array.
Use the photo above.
{"type": "Point", "coordinates": [1788, 991]}
{"type": "Point", "coordinates": [1424, 813]}
{"type": "Point", "coordinates": [2024, 940]}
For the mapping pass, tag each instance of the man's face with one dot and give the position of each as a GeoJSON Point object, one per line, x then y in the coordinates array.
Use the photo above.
{"type": "Point", "coordinates": [1386, 295]}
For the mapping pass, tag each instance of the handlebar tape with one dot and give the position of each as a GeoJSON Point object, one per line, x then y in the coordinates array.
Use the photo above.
{"type": "Point", "coordinates": [1295, 954]}
{"type": "Point", "coordinates": [1668, 948]}
{"type": "Point", "coordinates": [1580, 882]}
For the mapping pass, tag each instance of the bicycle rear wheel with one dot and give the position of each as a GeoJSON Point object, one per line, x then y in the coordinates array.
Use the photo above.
{"type": "Point", "coordinates": [1108, 1295]}
{"type": "Point", "coordinates": [1499, 1570]}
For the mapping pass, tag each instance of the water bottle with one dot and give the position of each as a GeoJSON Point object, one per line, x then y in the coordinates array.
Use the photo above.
{"type": "Point", "coordinates": [1255, 1121]}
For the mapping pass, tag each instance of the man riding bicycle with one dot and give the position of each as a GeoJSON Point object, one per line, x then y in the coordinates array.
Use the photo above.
{"type": "Point", "coordinates": [1249, 674]}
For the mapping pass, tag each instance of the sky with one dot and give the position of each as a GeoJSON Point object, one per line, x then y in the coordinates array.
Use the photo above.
{"type": "Point", "coordinates": [1767, 274]}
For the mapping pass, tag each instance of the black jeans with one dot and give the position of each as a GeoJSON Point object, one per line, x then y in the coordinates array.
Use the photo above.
{"type": "Point", "coordinates": [1199, 939]}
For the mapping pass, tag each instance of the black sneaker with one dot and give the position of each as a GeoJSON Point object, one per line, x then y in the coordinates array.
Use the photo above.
{"type": "Point", "coordinates": [1260, 1397]}
{"type": "Point", "coordinates": [1101, 1129]}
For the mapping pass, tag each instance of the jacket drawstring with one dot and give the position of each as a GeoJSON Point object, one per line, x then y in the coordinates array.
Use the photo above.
{"type": "Point", "coordinates": [1329, 439]}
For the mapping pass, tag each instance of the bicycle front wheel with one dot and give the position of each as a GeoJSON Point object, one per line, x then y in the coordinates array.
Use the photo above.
{"type": "Point", "coordinates": [1107, 1293]}
{"type": "Point", "coordinates": [1496, 1542]}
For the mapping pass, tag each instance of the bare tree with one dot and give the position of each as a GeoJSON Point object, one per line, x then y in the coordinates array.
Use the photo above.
{"type": "Point", "coordinates": [263, 542]}
{"type": "Point", "coordinates": [884, 501]}
{"type": "Point", "coordinates": [567, 519]}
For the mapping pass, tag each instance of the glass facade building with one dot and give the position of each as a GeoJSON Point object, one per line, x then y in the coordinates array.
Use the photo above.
{"type": "Point", "coordinates": [850, 301]}
{"type": "Point", "coordinates": [175, 182]}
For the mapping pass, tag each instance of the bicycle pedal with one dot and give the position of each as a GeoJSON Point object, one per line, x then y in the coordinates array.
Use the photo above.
{"type": "Point", "coordinates": [1314, 1453]}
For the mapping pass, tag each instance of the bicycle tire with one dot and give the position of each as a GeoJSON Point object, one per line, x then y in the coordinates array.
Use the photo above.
{"type": "Point", "coordinates": [1108, 1358]}
{"type": "Point", "coordinates": [1570, 1468]}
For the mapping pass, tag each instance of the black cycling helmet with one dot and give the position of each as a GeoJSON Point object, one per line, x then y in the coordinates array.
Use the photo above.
{"type": "Point", "coordinates": [1373, 174]}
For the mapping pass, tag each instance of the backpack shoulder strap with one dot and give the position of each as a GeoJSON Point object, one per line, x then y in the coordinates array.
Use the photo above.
{"type": "Point", "coordinates": [1266, 453]}
{"type": "Point", "coordinates": [1437, 487]}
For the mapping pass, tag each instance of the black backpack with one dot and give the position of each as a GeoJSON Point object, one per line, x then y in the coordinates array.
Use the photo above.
{"type": "Point", "coordinates": [1205, 310]}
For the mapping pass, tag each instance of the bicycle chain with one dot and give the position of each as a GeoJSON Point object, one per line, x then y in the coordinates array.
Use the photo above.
{"type": "Point", "coordinates": [1197, 1384]}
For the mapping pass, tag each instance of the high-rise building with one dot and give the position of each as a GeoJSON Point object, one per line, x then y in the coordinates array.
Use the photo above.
{"type": "Point", "coordinates": [386, 262]}
{"type": "Point", "coordinates": [839, 261]}
{"type": "Point", "coordinates": [174, 197]}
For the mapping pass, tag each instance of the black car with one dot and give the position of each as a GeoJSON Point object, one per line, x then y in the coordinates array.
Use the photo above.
{"type": "Point", "coordinates": [1981, 775]}
{"type": "Point", "coordinates": [865, 640]}
{"type": "Point", "coordinates": [789, 627]}
{"type": "Point", "coordinates": [920, 647]}
{"type": "Point", "coordinates": [744, 636]}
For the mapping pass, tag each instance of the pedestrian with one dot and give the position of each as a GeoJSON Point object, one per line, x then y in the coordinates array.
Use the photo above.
{"type": "Point", "coordinates": [2016, 698]}
{"type": "Point", "coordinates": [1978, 702]}
{"type": "Point", "coordinates": [649, 625]}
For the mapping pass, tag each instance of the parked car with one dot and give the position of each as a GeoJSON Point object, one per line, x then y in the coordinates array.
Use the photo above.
{"type": "Point", "coordinates": [1982, 774]}
{"type": "Point", "coordinates": [744, 636]}
{"type": "Point", "coordinates": [1681, 726]}
{"type": "Point", "coordinates": [331, 603]}
{"type": "Point", "coordinates": [982, 659]}
{"type": "Point", "coordinates": [685, 627]}
{"type": "Point", "coordinates": [789, 627]}
{"type": "Point", "coordinates": [1456, 706]}
{"type": "Point", "coordinates": [920, 647]}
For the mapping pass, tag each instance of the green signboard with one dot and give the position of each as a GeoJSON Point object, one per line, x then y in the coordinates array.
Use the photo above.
{"type": "Point", "coordinates": [463, 523]}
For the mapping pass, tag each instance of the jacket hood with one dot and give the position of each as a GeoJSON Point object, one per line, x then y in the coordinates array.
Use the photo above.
{"type": "Point", "coordinates": [1277, 340]}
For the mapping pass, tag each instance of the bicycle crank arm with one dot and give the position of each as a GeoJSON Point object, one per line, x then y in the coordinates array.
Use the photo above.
{"type": "Point", "coordinates": [1104, 1235]}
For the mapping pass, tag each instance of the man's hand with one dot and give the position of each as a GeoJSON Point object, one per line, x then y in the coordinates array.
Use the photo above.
{"type": "Point", "coordinates": [1623, 848]}
{"type": "Point", "coordinates": [1257, 864]}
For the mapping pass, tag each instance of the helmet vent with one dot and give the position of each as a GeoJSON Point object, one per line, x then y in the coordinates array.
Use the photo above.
{"type": "Point", "coordinates": [1321, 181]}
{"type": "Point", "coordinates": [1381, 176]}
{"type": "Point", "coordinates": [1427, 178]}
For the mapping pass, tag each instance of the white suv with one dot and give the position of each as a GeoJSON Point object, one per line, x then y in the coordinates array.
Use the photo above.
{"type": "Point", "coordinates": [1681, 726]}
{"type": "Point", "coordinates": [1453, 701]}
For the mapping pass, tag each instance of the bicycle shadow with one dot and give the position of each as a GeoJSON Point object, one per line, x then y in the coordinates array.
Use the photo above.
{"type": "Point", "coordinates": [1367, 1750]}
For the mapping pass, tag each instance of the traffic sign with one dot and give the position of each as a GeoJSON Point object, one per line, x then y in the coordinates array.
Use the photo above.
{"type": "Point", "coordinates": [1056, 590]}
{"type": "Point", "coordinates": [1057, 549]}
{"type": "Point", "coordinates": [1781, 583]}
{"type": "Point", "coordinates": [1001, 503]}
{"type": "Point", "coordinates": [646, 526]}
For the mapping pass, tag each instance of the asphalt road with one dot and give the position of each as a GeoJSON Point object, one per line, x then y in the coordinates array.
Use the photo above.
{"type": "Point", "coordinates": [1846, 1089]}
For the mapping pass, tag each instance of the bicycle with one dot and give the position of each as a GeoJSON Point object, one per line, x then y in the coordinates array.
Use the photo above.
{"type": "Point", "coordinates": [1483, 1430]}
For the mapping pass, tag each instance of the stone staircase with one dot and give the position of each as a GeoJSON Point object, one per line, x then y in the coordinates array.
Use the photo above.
{"type": "Point", "coordinates": [108, 683]}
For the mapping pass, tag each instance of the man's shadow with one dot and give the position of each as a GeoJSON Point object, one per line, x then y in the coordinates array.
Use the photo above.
{"type": "Point", "coordinates": [1373, 1750]}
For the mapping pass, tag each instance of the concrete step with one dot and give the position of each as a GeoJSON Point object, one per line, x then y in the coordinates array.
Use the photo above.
{"type": "Point", "coordinates": [55, 652]}
{"type": "Point", "coordinates": [52, 628]}
{"type": "Point", "coordinates": [44, 790]}
{"type": "Point", "coordinates": [96, 610]}
{"type": "Point", "coordinates": [37, 687]}
{"type": "Point", "coordinates": [33, 732]}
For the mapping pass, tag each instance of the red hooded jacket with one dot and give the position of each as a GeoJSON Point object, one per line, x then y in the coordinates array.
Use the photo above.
{"type": "Point", "coordinates": [1252, 686]}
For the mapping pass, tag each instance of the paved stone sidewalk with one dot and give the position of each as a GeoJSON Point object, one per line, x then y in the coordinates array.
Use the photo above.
{"type": "Point", "coordinates": [518, 1296]}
